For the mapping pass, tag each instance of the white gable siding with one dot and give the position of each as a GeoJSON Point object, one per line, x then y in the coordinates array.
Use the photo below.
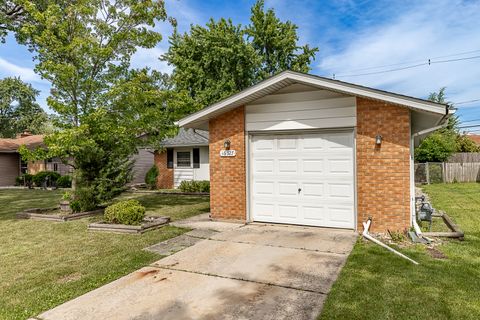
{"type": "Point", "coordinates": [301, 110]}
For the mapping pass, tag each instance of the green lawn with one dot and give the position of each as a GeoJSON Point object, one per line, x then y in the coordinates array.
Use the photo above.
{"type": "Point", "coordinates": [43, 264]}
{"type": "Point", "coordinates": [376, 284]}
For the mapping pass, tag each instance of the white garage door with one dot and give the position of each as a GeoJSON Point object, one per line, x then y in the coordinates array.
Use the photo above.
{"type": "Point", "coordinates": [305, 179]}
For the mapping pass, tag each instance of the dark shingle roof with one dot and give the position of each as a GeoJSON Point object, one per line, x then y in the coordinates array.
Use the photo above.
{"type": "Point", "coordinates": [187, 137]}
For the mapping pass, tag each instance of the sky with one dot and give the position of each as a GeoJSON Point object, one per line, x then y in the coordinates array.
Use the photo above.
{"type": "Point", "coordinates": [358, 41]}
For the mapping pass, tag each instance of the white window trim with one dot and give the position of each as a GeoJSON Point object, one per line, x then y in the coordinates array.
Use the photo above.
{"type": "Point", "coordinates": [175, 163]}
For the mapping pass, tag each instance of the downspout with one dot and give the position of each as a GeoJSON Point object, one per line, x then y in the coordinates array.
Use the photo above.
{"type": "Point", "coordinates": [443, 123]}
{"type": "Point", "coordinates": [365, 234]}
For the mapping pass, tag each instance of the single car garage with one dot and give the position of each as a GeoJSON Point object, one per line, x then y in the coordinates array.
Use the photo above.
{"type": "Point", "coordinates": [302, 149]}
{"type": "Point", "coordinates": [305, 178]}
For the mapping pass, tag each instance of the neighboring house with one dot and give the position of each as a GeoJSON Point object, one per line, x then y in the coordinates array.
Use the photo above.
{"type": "Point", "coordinates": [313, 151]}
{"type": "Point", "coordinates": [185, 157]}
{"type": "Point", "coordinates": [144, 160]}
{"type": "Point", "coordinates": [11, 164]}
{"type": "Point", "coordinates": [475, 138]}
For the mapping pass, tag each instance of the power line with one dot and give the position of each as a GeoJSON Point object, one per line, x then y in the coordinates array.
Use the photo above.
{"type": "Point", "coordinates": [470, 126]}
{"type": "Point", "coordinates": [469, 101]}
{"type": "Point", "coordinates": [415, 61]}
{"type": "Point", "coordinates": [470, 120]}
{"type": "Point", "coordinates": [428, 62]}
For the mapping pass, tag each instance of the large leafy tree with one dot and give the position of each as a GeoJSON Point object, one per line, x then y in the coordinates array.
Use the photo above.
{"type": "Point", "coordinates": [275, 42]}
{"type": "Point", "coordinates": [18, 109]}
{"type": "Point", "coordinates": [211, 62]}
{"type": "Point", "coordinates": [440, 145]}
{"type": "Point", "coordinates": [215, 61]}
{"type": "Point", "coordinates": [84, 49]}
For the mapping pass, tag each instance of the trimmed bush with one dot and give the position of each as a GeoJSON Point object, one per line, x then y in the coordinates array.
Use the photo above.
{"type": "Point", "coordinates": [151, 177]}
{"type": "Point", "coordinates": [84, 200]}
{"type": "Point", "coordinates": [24, 179]}
{"type": "Point", "coordinates": [195, 186]}
{"type": "Point", "coordinates": [64, 182]}
{"type": "Point", "coordinates": [48, 178]}
{"type": "Point", "coordinates": [129, 212]}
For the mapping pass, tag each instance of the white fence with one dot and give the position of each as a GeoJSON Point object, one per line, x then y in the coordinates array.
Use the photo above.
{"type": "Point", "coordinates": [438, 172]}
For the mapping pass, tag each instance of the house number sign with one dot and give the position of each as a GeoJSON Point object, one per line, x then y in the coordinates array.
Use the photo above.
{"type": "Point", "coordinates": [228, 153]}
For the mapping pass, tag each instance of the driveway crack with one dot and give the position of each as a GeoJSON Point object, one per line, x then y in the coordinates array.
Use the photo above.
{"type": "Point", "coordinates": [236, 278]}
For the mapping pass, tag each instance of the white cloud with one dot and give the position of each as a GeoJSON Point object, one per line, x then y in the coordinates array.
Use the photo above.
{"type": "Point", "coordinates": [429, 30]}
{"type": "Point", "coordinates": [9, 69]}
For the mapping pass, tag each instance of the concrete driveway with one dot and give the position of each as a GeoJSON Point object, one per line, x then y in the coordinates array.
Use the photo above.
{"type": "Point", "coordinates": [255, 271]}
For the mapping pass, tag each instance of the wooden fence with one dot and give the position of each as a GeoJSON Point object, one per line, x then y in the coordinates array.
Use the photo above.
{"type": "Point", "coordinates": [465, 157]}
{"type": "Point", "coordinates": [438, 172]}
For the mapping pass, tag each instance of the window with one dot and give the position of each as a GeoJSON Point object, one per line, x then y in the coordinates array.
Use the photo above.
{"type": "Point", "coordinates": [183, 159]}
{"type": "Point", "coordinates": [169, 158]}
{"type": "Point", "coordinates": [196, 158]}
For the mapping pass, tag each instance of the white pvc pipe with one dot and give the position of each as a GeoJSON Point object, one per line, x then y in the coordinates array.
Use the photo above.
{"type": "Point", "coordinates": [365, 234]}
{"type": "Point", "coordinates": [416, 227]}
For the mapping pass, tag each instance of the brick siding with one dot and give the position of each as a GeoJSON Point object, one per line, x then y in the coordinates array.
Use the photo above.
{"type": "Point", "coordinates": [383, 173]}
{"type": "Point", "coordinates": [227, 174]}
{"type": "Point", "coordinates": [165, 175]}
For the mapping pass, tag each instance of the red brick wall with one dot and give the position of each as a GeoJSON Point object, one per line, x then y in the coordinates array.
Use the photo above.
{"type": "Point", "coordinates": [227, 174]}
{"type": "Point", "coordinates": [165, 175]}
{"type": "Point", "coordinates": [383, 173]}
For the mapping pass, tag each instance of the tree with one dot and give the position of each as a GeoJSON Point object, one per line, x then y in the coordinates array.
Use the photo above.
{"type": "Point", "coordinates": [276, 43]}
{"type": "Point", "coordinates": [18, 110]}
{"type": "Point", "coordinates": [84, 48]}
{"type": "Point", "coordinates": [440, 145]}
{"type": "Point", "coordinates": [11, 16]}
{"type": "Point", "coordinates": [215, 61]}
{"type": "Point", "coordinates": [211, 62]}
{"type": "Point", "coordinates": [437, 147]}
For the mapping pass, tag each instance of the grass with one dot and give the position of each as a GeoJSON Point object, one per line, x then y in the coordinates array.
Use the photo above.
{"type": "Point", "coordinates": [43, 264]}
{"type": "Point", "coordinates": [375, 284]}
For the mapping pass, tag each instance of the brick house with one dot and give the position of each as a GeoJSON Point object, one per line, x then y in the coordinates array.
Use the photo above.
{"type": "Point", "coordinates": [308, 150]}
{"type": "Point", "coordinates": [184, 157]}
{"type": "Point", "coordinates": [11, 164]}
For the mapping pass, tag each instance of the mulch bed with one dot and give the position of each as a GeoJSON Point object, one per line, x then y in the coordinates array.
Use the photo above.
{"type": "Point", "coordinates": [53, 214]}
{"type": "Point", "coordinates": [149, 223]}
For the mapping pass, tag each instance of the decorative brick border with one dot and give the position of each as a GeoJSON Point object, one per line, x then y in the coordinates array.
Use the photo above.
{"type": "Point", "coordinates": [150, 223]}
{"type": "Point", "coordinates": [39, 214]}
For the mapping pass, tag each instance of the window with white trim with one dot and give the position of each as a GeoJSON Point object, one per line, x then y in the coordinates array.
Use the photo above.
{"type": "Point", "coordinates": [183, 159]}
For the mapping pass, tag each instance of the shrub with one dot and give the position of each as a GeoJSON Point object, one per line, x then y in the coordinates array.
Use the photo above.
{"type": "Point", "coordinates": [151, 177]}
{"type": "Point", "coordinates": [64, 182]}
{"type": "Point", "coordinates": [84, 199]}
{"type": "Point", "coordinates": [48, 178]}
{"type": "Point", "coordinates": [129, 212]}
{"type": "Point", "coordinates": [195, 186]}
{"type": "Point", "coordinates": [24, 179]}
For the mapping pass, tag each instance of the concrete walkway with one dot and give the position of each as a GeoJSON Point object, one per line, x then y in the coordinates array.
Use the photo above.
{"type": "Point", "coordinates": [255, 271]}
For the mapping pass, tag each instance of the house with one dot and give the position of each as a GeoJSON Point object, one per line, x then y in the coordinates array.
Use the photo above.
{"type": "Point", "coordinates": [11, 164]}
{"type": "Point", "coordinates": [307, 150]}
{"type": "Point", "coordinates": [184, 157]}
{"type": "Point", "coordinates": [475, 138]}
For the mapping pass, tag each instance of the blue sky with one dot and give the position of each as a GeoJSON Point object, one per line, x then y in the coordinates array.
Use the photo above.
{"type": "Point", "coordinates": [354, 37]}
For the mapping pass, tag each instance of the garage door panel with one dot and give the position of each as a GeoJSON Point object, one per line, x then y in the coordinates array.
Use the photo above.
{"type": "Point", "coordinates": [303, 179]}
{"type": "Point", "coordinates": [287, 143]}
{"type": "Point", "coordinates": [287, 189]}
{"type": "Point", "coordinates": [264, 188]}
{"type": "Point", "coordinates": [287, 211]}
{"type": "Point", "coordinates": [314, 213]}
{"type": "Point", "coordinates": [264, 209]}
{"type": "Point", "coordinates": [315, 190]}
{"type": "Point", "coordinates": [313, 165]}
{"type": "Point", "coordinates": [287, 166]}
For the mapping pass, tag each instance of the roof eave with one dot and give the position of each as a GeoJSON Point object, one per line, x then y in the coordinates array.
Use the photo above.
{"type": "Point", "coordinates": [328, 84]}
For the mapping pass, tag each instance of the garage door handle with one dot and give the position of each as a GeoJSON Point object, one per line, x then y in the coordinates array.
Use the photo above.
{"type": "Point", "coordinates": [299, 190]}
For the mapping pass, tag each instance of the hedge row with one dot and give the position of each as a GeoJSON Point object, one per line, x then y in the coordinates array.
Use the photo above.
{"type": "Point", "coordinates": [44, 178]}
